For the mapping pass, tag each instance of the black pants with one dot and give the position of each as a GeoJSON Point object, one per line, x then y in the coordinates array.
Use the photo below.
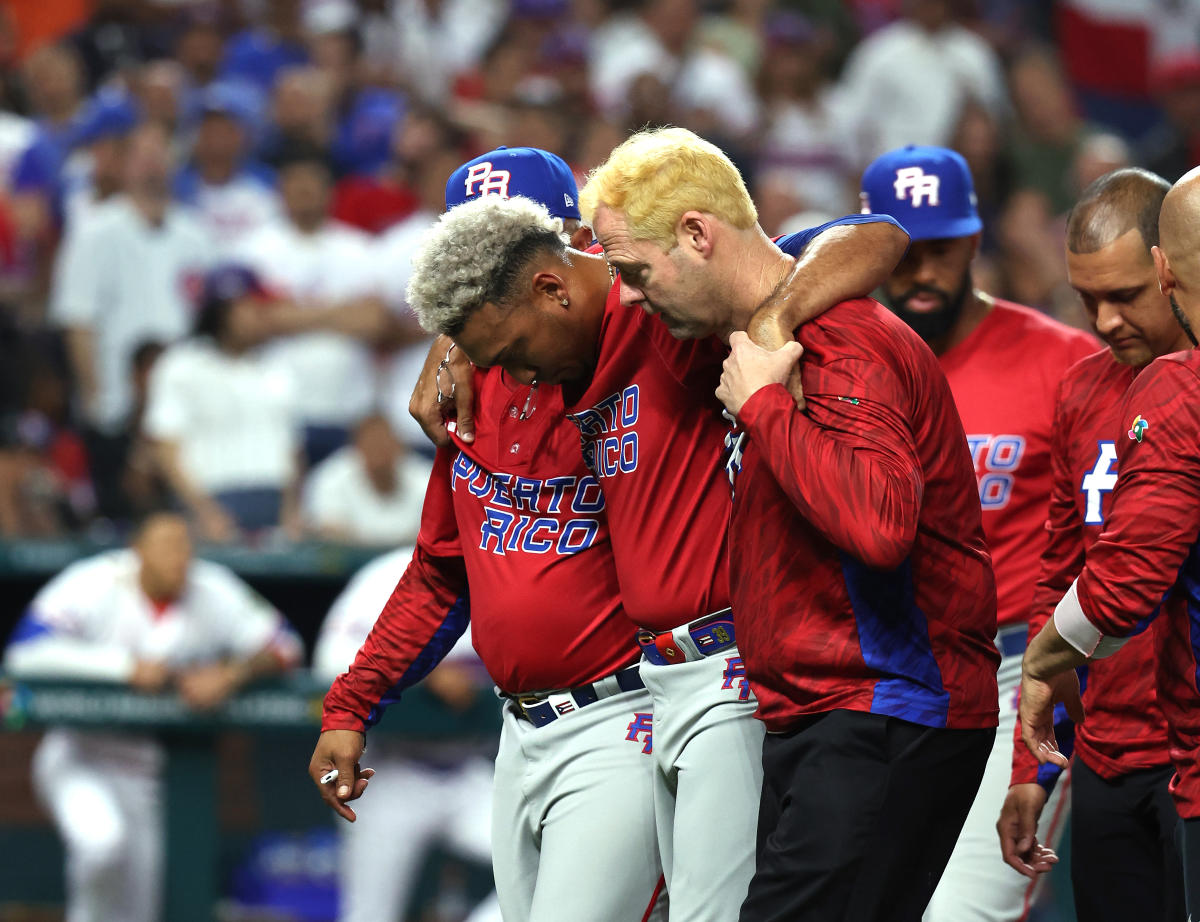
{"type": "Point", "coordinates": [859, 814]}
{"type": "Point", "coordinates": [1188, 838]}
{"type": "Point", "coordinates": [1124, 861]}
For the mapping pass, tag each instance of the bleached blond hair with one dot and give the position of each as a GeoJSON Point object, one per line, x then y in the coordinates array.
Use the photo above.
{"type": "Point", "coordinates": [656, 175]}
{"type": "Point", "coordinates": [476, 254]}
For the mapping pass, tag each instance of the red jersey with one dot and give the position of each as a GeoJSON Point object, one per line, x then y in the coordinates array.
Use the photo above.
{"type": "Point", "coordinates": [517, 518]}
{"type": "Point", "coordinates": [1125, 730]}
{"type": "Point", "coordinates": [1147, 559]}
{"type": "Point", "coordinates": [654, 437]}
{"type": "Point", "coordinates": [1004, 377]}
{"type": "Point", "coordinates": [860, 575]}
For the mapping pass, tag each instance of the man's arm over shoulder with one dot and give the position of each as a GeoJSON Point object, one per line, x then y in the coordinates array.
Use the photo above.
{"type": "Point", "coordinates": [837, 261]}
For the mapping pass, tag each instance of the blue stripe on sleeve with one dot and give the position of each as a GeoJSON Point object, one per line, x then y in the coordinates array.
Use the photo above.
{"type": "Point", "coordinates": [1190, 579]}
{"type": "Point", "coordinates": [28, 628]}
{"type": "Point", "coordinates": [444, 638]}
{"type": "Point", "coordinates": [894, 637]}
{"type": "Point", "coordinates": [794, 244]}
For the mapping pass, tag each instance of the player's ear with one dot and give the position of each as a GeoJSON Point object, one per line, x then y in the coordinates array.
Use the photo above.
{"type": "Point", "coordinates": [582, 237]}
{"type": "Point", "coordinates": [694, 232]}
{"type": "Point", "coordinates": [550, 290]}
{"type": "Point", "coordinates": [1162, 267]}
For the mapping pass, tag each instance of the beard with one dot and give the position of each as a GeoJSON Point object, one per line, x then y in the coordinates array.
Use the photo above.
{"type": "Point", "coordinates": [1182, 318]}
{"type": "Point", "coordinates": [937, 323]}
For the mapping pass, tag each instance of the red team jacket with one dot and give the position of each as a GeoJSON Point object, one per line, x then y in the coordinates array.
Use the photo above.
{"type": "Point", "coordinates": [1147, 560]}
{"type": "Point", "coordinates": [532, 543]}
{"type": "Point", "coordinates": [860, 575]}
{"type": "Point", "coordinates": [1004, 377]}
{"type": "Point", "coordinates": [1125, 729]}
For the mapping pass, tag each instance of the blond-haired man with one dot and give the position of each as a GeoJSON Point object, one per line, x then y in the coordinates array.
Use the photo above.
{"type": "Point", "coordinates": [863, 594]}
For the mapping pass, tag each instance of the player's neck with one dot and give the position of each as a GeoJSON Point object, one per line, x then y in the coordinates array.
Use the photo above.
{"type": "Point", "coordinates": [976, 306]}
{"type": "Point", "coordinates": [754, 279]}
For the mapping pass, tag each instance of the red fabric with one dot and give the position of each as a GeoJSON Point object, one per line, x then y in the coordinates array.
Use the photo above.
{"type": "Point", "coordinates": [1149, 549]}
{"type": "Point", "coordinates": [370, 204]}
{"type": "Point", "coordinates": [1004, 377]}
{"type": "Point", "coordinates": [860, 575]}
{"type": "Point", "coordinates": [68, 457]}
{"type": "Point", "coordinates": [1103, 56]}
{"type": "Point", "coordinates": [1125, 730]}
{"type": "Point", "coordinates": [654, 435]}
{"type": "Point", "coordinates": [517, 518]}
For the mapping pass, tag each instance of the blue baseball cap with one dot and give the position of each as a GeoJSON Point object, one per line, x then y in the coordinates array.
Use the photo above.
{"type": "Point", "coordinates": [110, 114]}
{"type": "Point", "coordinates": [227, 99]}
{"type": "Point", "coordinates": [927, 189]}
{"type": "Point", "coordinates": [231, 282]}
{"type": "Point", "coordinates": [506, 171]}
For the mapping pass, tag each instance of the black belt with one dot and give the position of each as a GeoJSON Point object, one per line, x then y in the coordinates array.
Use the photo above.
{"type": "Point", "coordinates": [546, 707]}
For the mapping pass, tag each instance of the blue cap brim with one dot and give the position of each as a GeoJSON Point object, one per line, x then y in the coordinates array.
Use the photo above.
{"type": "Point", "coordinates": [941, 229]}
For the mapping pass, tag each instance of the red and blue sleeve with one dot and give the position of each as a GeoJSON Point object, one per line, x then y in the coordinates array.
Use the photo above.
{"type": "Point", "coordinates": [1154, 515]}
{"type": "Point", "coordinates": [426, 614]}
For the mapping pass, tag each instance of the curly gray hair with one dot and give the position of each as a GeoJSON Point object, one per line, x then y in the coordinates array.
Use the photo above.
{"type": "Point", "coordinates": [476, 254]}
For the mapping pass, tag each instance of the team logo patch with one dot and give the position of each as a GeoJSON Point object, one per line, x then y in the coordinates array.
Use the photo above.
{"type": "Point", "coordinates": [917, 186]}
{"type": "Point", "coordinates": [735, 671]}
{"type": "Point", "coordinates": [641, 730]}
{"type": "Point", "coordinates": [1137, 429]}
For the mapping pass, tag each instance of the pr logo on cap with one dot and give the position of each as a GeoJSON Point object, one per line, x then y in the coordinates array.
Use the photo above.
{"type": "Point", "coordinates": [922, 185]}
{"type": "Point", "coordinates": [489, 181]}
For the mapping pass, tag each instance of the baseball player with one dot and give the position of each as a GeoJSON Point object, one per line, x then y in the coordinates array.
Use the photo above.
{"type": "Point", "coordinates": [514, 538]}
{"type": "Point", "coordinates": [154, 618]}
{"type": "Point", "coordinates": [872, 665]}
{"type": "Point", "coordinates": [1124, 863]}
{"type": "Point", "coordinates": [1145, 562]}
{"type": "Point", "coordinates": [441, 792]}
{"type": "Point", "coordinates": [1004, 363]}
{"type": "Point", "coordinates": [653, 442]}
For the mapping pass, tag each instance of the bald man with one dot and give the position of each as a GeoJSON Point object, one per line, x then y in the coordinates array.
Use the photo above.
{"type": "Point", "coordinates": [1124, 863]}
{"type": "Point", "coordinates": [1147, 561]}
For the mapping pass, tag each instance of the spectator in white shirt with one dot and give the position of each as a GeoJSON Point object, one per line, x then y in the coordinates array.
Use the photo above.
{"type": "Point", "coordinates": [369, 492]}
{"type": "Point", "coordinates": [316, 263]}
{"type": "Point", "coordinates": [233, 195]}
{"type": "Point", "coordinates": [222, 414]}
{"type": "Point", "coordinates": [152, 618]}
{"type": "Point", "coordinates": [908, 82]}
{"type": "Point", "coordinates": [806, 143]}
{"type": "Point", "coordinates": [130, 274]}
{"type": "Point", "coordinates": [95, 172]}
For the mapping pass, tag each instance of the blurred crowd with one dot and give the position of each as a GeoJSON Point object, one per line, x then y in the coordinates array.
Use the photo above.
{"type": "Point", "coordinates": [208, 207]}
